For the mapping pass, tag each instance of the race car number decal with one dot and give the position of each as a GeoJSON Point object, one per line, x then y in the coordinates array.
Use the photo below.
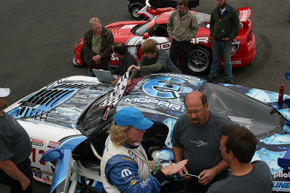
{"type": "Point", "coordinates": [36, 156]}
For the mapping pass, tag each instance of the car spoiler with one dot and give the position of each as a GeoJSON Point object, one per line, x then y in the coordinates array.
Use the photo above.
{"type": "Point", "coordinates": [245, 13]}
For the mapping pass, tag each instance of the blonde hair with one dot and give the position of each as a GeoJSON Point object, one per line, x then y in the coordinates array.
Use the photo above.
{"type": "Point", "coordinates": [94, 20]}
{"type": "Point", "coordinates": [149, 46]}
{"type": "Point", "coordinates": [118, 134]}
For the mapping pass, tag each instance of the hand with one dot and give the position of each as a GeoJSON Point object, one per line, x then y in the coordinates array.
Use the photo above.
{"type": "Point", "coordinates": [129, 82]}
{"type": "Point", "coordinates": [134, 68]}
{"type": "Point", "coordinates": [182, 174]}
{"type": "Point", "coordinates": [115, 81]}
{"type": "Point", "coordinates": [206, 176]}
{"type": "Point", "coordinates": [97, 58]}
{"type": "Point", "coordinates": [226, 39]}
{"type": "Point", "coordinates": [25, 183]}
{"type": "Point", "coordinates": [172, 169]}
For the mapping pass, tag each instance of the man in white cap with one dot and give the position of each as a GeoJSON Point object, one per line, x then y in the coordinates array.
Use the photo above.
{"type": "Point", "coordinates": [14, 152]}
{"type": "Point", "coordinates": [125, 166]}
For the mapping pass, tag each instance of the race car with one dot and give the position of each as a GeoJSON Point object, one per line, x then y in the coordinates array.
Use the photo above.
{"type": "Point", "coordinates": [133, 33]}
{"type": "Point", "coordinates": [66, 114]}
{"type": "Point", "coordinates": [135, 6]}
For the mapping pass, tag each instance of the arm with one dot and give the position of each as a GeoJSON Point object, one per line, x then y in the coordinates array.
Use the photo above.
{"type": "Point", "coordinates": [87, 45]}
{"type": "Point", "coordinates": [170, 26]}
{"type": "Point", "coordinates": [131, 176]}
{"type": "Point", "coordinates": [11, 169]}
{"type": "Point", "coordinates": [211, 25]}
{"type": "Point", "coordinates": [178, 156]}
{"type": "Point", "coordinates": [108, 49]}
{"type": "Point", "coordinates": [236, 26]}
{"type": "Point", "coordinates": [194, 27]}
{"type": "Point", "coordinates": [208, 175]}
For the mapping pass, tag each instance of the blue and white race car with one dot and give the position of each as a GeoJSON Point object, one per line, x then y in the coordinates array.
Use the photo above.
{"type": "Point", "coordinates": [74, 114]}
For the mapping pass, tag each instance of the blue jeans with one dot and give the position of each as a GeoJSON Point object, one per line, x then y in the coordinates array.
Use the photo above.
{"type": "Point", "coordinates": [217, 49]}
{"type": "Point", "coordinates": [92, 74]}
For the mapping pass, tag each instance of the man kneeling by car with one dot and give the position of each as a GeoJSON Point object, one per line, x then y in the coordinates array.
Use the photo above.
{"type": "Point", "coordinates": [153, 61]}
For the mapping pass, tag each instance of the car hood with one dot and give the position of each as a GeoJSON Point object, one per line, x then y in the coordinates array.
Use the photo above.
{"type": "Point", "coordinates": [123, 28]}
{"type": "Point", "coordinates": [59, 103]}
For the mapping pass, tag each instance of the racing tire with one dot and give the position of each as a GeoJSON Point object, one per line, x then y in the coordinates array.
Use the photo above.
{"type": "Point", "coordinates": [173, 187]}
{"type": "Point", "coordinates": [134, 10]}
{"type": "Point", "coordinates": [200, 59]}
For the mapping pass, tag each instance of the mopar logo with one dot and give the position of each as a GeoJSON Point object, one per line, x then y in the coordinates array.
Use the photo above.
{"type": "Point", "coordinates": [163, 87]}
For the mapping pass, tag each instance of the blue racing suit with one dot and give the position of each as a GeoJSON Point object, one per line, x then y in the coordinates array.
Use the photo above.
{"type": "Point", "coordinates": [127, 169]}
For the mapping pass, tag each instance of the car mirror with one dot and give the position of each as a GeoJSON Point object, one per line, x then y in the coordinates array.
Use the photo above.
{"type": "Point", "coordinates": [51, 155]}
{"type": "Point", "coordinates": [145, 35]}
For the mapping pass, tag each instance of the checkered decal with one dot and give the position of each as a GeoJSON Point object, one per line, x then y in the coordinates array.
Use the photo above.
{"type": "Point", "coordinates": [118, 91]}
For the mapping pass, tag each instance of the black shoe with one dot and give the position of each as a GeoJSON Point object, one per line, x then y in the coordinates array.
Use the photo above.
{"type": "Point", "coordinates": [212, 80]}
{"type": "Point", "coordinates": [229, 81]}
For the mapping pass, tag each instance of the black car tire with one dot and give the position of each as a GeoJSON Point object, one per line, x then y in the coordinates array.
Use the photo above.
{"type": "Point", "coordinates": [173, 187]}
{"type": "Point", "coordinates": [200, 59]}
{"type": "Point", "coordinates": [134, 10]}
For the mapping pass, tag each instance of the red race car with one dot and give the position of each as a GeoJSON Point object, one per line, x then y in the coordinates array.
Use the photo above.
{"type": "Point", "coordinates": [133, 33]}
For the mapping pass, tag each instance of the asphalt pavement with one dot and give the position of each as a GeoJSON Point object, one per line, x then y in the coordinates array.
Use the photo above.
{"type": "Point", "coordinates": [37, 40]}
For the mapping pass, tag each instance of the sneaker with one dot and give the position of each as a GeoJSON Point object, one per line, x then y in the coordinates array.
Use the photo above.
{"type": "Point", "coordinates": [229, 81]}
{"type": "Point", "coordinates": [212, 80]}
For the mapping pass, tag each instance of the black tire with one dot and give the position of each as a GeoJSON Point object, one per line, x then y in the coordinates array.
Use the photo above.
{"type": "Point", "coordinates": [173, 187]}
{"type": "Point", "coordinates": [200, 59]}
{"type": "Point", "coordinates": [134, 10]}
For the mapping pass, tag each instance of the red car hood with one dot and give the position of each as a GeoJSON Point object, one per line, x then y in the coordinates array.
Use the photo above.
{"type": "Point", "coordinates": [123, 28]}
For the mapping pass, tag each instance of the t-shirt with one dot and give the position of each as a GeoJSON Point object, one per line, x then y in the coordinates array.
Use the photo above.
{"type": "Point", "coordinates": [14, 140]}
{"type": "Point", "coordinates": [124, 64]}
{"type": "Point", "coordinates": [259, 180]}
{"type": "Point", "coordinates": [201, 144]}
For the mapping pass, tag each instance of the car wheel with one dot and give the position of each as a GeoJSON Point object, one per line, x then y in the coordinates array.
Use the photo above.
{"type": "Point", "coordinates": [134, 10]}
{"type": "Point", "coordinates": [199, 60]}
{"type": "Point", "coordinates": [173, 187]}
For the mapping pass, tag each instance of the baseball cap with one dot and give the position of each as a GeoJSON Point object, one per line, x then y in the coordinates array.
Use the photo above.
{"type": "Point", "coordinates": [4, 92]}
{"type": "Point", "coordinates": [129, 116]}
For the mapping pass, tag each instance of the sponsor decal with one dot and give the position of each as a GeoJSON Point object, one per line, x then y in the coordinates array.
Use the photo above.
{"type": "Point", "coordinates": [163, 87]}
{"type": "Point", "coordinates": [235, 47]}
{"type": "Point", "coordinates": [47, 172]}
{"type": "Point", "coordinates": [127, 26]}
{"type": "Point", "coordinates": [281, 174]}
{"type": "Point", "coordinates": [244, 14]}
{"type": "Point", "coordinates": [125, 158]}
{"type": "Point", "coordinates": [52, 144]}
{"type": "Point", "coordinates": [198, 40]}
{"type": "Point", "coordinates": [164, 46]}
{"type": "Point", "coordinates": [281, 186]}
{"type": "Point", "coordinates": [145, 182]}
{"type": "Point", "coordinates": [36, 170]}
{"type": "Point", "coordinates": [37, 142]}
{"type": "Point", "coordinates": [125, 173]}
{"type": "Point", "coordinates": [129, 179]}
{"type": "Point", "coordinates": [234, 62]}
{"type": "Point", "coordinates": [154, 101]}
{"type": "Point", "coordinates": [133, 182]}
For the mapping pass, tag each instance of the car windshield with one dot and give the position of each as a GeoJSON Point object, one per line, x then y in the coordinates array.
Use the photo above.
{"type": "Point", "coordinates": [203, 19]}
{"type": "Point", "coordinates": [261, 119]}
{"type": "Point", "coordinates": [141, 29]}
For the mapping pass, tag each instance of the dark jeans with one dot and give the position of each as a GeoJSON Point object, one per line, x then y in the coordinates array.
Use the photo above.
{"type": "Point", "coordinates": [15, 186]}
{"type": "Point", "coordinates": [193, 186]}
{"type": "Point", "coordinates": [184, 47]}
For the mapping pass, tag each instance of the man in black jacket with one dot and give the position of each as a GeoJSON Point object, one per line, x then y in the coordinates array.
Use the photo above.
{"type": "Point", "coordinates": [97, 46]}
{"type": "Point", "coordinates": [224, 27]}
